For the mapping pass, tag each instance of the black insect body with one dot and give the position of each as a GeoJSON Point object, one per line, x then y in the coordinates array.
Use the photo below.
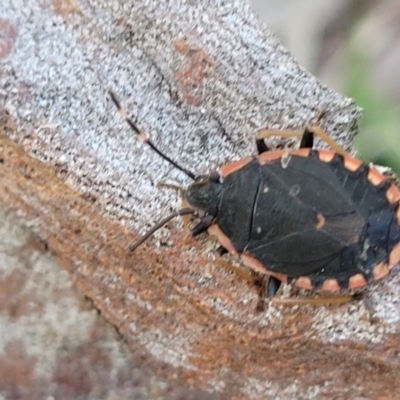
{"type": "Point", "coordinates": [319, 217]}
{"type": "Point", "coordinates": [305, 215]}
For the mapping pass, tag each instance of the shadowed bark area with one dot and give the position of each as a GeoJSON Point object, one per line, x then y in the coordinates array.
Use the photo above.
{"type": "Point", "coordinates": [201, 79]}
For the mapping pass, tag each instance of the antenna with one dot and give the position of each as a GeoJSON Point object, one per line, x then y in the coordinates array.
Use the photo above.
{"type": "Point", "coordinates": [146, 140]}
{"type": "Point", "coordinates": [159, 225]}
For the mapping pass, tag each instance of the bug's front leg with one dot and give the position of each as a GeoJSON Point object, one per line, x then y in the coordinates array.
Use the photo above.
{"type": "Point", "coordinates": [203, 225]}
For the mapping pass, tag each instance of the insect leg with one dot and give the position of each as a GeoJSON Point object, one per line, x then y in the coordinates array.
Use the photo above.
{"type": "Point", "coordinates": [307, 137]}
{"type": "Point", "coordinates": [268, 286]}
{"type": "Point", "coordinates": [221, 250]}
{"type": "Point", "coordinates": [240, 272]}
{"type": "Point", "coordinates": [316, 130]}
{"type": "Point", "coordinates": [273, 286]}
{"type": "Point", "coordinates": [285, 134]}
{"type": "Point", "coordinates": [316, 301]}
{"type": "Point", "coordinates": [261, 146]}
{"type": "Point", "coordinates": [168, 186]}
{"type": "Point", "coordinates": [203, 225]}
{"type": "Point", "coordinates": [307, 140]}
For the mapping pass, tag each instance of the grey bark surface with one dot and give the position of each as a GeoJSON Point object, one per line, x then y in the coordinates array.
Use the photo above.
{"type": "Point", "coordinates": [200, 78]}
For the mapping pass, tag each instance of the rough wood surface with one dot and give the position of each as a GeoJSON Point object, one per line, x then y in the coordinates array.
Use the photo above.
{"type": "Point", "coordinates": [54, 343]}
{"type": "Point", "coordinates": [200, 78]}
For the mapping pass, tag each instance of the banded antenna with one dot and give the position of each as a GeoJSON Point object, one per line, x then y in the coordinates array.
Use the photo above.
{"type": "Point", "coordinates": [146, 140]}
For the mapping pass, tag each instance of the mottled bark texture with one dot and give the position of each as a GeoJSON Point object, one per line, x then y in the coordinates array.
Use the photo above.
{"type": "Point", "coordinates": [200, 78]}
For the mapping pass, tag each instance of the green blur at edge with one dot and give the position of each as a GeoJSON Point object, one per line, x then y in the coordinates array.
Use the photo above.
{"type": "Point", "coordinates": [378, 140]}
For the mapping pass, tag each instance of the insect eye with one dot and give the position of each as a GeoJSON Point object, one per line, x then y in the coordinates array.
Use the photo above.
{"type": "Point", "coordinates": [215, 177]}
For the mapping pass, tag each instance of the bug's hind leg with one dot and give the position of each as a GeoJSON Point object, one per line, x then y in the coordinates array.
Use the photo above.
{"type": "Point", "coordinates": [316, 301]}
{"type": "Point", "coordinates": [268, 287]}
{"type": "Point", "coordinates": [273, 286]}
{"type": "Point", "coordinates": [261, 282]}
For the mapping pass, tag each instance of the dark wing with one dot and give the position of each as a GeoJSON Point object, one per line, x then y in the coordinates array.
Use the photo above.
{"type": "Point", "coordinates": [237, 202]}
{"type": "Point", "coordinates": [302, 218]}
{"type": "Point", "coordinates": [306, 251]}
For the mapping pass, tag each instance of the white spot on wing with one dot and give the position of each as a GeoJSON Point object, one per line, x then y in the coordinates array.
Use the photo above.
{"type": "Point", "coordinates": [294, 190]}
{"type": "Point", "coordinates": [285, 159]}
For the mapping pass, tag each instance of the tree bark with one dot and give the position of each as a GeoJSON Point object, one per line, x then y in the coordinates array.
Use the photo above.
{"type": "Point", "coordinates": [200, 78]}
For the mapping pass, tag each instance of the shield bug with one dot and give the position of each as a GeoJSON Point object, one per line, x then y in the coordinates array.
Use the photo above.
{"type": "Point", "coordinates": [319, 218]}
